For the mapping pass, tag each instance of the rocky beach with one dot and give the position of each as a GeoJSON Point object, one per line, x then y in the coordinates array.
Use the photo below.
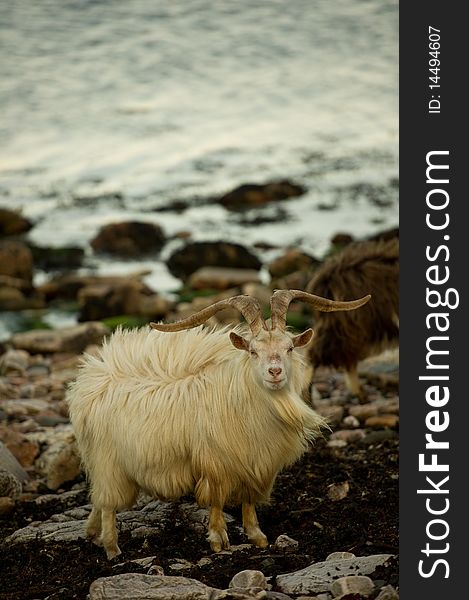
{"type": "Point", "coordinates": [333, 519]}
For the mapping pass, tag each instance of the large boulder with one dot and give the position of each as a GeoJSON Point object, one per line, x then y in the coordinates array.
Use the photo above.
{"type": "Point", "coordinates": [185, 261]}
{"type": "Point", "coordinates": [255, 195]}
{"type": "Point", "coordinates": [68, 339]}
{"type": "Point", "coordinates": [68, 287]}
{"type": "Point", "coordinates": [12, 223]}
{"type": "Point", "coordinates": [127, 297]}
{"type": "Point", "coordinates": [129, 239]}
{"type": "Point", "coordinates": [50, 258]}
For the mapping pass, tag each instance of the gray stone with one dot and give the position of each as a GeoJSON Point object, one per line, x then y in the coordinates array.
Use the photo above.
{"type": "Point", "coordinates": [60, 462]}
{"type": "Point", "coordinates": [14, 362]}
{"type": "Point", "coordinates": [69, 526]}
{"type": "Point", "coordinates": [352, 584]}
{"type": "Point", "coordinates": [318, 577]}
{"type": "Point", "coordinates": [286, 543]}
{"type": "Point", "coordinates": [148, 587]}
{"type": "Point", "coordinates": [249, 579]}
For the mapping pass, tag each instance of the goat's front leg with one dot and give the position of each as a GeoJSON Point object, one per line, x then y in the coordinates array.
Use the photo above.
{"type": "Point", "coordinates": [217, 534]}
{"type": "Point", "coordinates": [251, 526]}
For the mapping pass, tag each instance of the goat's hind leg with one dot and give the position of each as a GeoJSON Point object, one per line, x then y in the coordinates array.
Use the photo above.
{"type": "Point", "coordinates": [251, 526]}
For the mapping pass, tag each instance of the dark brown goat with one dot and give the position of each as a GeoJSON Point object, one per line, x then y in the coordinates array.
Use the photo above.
{"type": "Point", "coordinates": [341, 340]}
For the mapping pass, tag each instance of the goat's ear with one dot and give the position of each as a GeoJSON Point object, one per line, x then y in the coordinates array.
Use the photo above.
{"type": "Point", "coordinates": [239, 342]}
{"type": "Point", "coordinates": [303, 339]}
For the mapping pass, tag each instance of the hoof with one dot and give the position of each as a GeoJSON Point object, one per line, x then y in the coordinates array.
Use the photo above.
{"type": "Point", "coordinates": [113, 552]}
{"type": "Point", "coordinates": [257, 538]}
{"type": "Point", "coordinates": [219, 541]}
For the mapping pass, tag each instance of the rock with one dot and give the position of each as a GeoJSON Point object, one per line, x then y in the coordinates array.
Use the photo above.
{"type": "Point", "coordinates": [67, 287]}
{"type": "Point", "coordinates": [28, 407]}
{"type": "Point", "coordinates": [129, 239]}
{"type": "Point", "coordinates": [10, 486]}
{"type": "Point", "coordinates": [383, 421]}
{"type": "Point", "coordinates": [69, 526]}
{"type": "Point", "coordinates": [363, 411]}
{"type": "Point", "coordinates": [7, 504]}
{"type": "Point", "coordinates": [387, 593]}
{"type": "Point", "coordinates": [352, 584]}
{"type": "Point", "coordinates": [348, 435]}
{"type": "Point", "coordinates": [221, 278]}
{"type": "Point", "coordinates": [249, 579]}
{"type": "Point", "coordinates": [179, 565]}
{"type": "Point", "coordinates": [254, 195]}
{"type": "Point", "coordinates": [338, 491]}
{"type": "Point", "coordinates": [51, 258]}
{"type": "Point", "coordinates": [340, 555]}
{"type": "Point", "coordinates": [9, 464]}
{"type": "Point", "coordinates": [376, 437]}
{"type": "Point", "coordinates": [154, 306]}
{"type": "Point", "coordinates": [68, 339]}
{"type": "Point", "coordinates": [149, 587]}
{"type": "Point", "coordinates": [286, 543]}
{"type": "Point", "coordinates": [185, 261]}
{"type": "Point", "coordinates": [292, 261]}
{"type": "Point", "coordinates": [14, 362]}
{"type": "Point", "coordinates": [16, 260]}
{"type": "Point", "coordinates": [102, 301]}
{"type": "Point", "coordinates": [325, 596]}
{"type": "Point", "coordinates": [351, 421]}
{"type": "Point", "coordinates": [60, 462]}
{"type": "Point", "coordinates": [318, 577]}
{"type": "Point", "coordinates": [23, 449]}
{"type": "Point", "coordinates": [340, 240]}
{"type": "Point", "coordinates": [12, 223]}
{"type": "Point", "coordinates": [336, 444]}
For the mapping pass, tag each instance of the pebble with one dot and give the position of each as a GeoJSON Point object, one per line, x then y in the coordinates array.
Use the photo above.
{"type": "Point", "coordinates": [389, 421]}
{"type": "Point", "coordinates": [351, 421]}
{"type": "Point", "coordinates": [286, 543]}
{"type": "Point", "coordinates": [249, 578]}
{"type": "Point", "coordinates": [336, 443]}
{"type": "Point", "coordinates": [338, 491]}
{"type": "Point", "coordinates": [363, 411]}
{"type": "Point", "coordinates": [348, 435]}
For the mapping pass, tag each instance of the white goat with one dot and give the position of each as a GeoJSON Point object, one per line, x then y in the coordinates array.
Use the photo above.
{"type": "Point", "coordinates": [188, 413]}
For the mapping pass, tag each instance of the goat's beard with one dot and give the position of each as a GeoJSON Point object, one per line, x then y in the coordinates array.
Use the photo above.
{"type": "Point", "coordinates": [275, 385]}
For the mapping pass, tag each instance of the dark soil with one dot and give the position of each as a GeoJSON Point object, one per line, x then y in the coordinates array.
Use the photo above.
{"type": "Point", "coordinates": [365, 522]}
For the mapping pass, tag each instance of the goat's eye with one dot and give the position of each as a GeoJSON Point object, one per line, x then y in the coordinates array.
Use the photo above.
{"type": "Point", "coordinates": [290, 349]}
{"type": "Point", "coordinates": [253, 353]}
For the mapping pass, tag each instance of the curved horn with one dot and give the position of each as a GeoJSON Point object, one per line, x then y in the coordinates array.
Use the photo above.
{"type": "Point", "coordinates": [280, 301]}
{"type": "Point", "coordinates": [249, 307]}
